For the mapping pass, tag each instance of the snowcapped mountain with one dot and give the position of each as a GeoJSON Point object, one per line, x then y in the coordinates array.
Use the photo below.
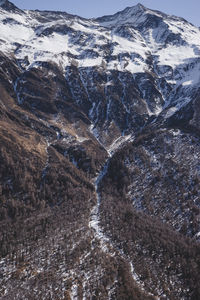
{"type": "Point", "coordinates": [99, 152]}
{"type": "Point", "coordinates": [151, 54]}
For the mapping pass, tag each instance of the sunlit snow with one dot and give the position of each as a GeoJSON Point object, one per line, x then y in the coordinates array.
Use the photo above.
{"type": "Point", "coordinates": [119, 42]}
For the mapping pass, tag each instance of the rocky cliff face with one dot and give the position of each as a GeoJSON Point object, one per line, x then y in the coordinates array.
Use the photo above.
{"type": "Point", "coordinates": [99, 176]}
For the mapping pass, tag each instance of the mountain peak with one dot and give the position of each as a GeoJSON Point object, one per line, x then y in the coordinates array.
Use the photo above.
{"type": "Point", "coordinates": [139, 6]}
{"type": "Point", "coordinates": [9, 6]}
{"type": "Point", "coordinates": [127, 15]}
{"type": "Point", "coordinates": [132, 10]}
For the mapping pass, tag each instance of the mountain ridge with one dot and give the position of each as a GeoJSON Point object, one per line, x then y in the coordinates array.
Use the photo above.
{"type": "Point", "coordinates": [94, 59]}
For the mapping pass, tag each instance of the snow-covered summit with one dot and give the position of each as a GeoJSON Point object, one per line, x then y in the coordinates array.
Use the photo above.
{"type": "Point", "coordinates": [9, 6]}
{"type": "Point", "coordinates": [128, 15]}
{"type": "Point", "coordinates": [134, 15]}
{"type": "Point", "coordinates": [137, 40]}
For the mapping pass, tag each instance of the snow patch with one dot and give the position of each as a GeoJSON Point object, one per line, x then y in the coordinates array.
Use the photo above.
{"type": "Point", "coordinates": [94, 222]}
{"type": "Point", "coordinates": [172, 110]}
{"type": "Point", "coordinates": [117, 143]}
{"type": "Point", "coordinates": [81, 139]}
{"type": "Point", "coordinates": [74, 292]}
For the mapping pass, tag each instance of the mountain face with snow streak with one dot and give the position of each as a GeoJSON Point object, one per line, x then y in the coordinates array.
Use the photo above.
{"type": "Point", "coordinates": [146, 63]}
{"type": "Point", "coordinates": [99, 136]}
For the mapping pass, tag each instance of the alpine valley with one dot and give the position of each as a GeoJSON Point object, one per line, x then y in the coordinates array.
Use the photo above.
{"type": "Point", "coordinates": [99, 156]}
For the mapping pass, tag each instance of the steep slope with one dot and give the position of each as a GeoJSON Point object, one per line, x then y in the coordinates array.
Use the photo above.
{"type": "Point", "coordinates": [150, 206]}
{"type": "Point", "coordinates": [99, 173]}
